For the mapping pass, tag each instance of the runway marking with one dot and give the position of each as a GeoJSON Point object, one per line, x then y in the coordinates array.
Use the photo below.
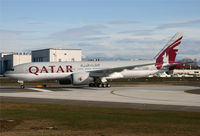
{"type": "Point", "coordinates": [114, 93]}
{"type": "Point", "coordinates": [194, 91]}
{"type": "Point", "coordinates": [39, 89]}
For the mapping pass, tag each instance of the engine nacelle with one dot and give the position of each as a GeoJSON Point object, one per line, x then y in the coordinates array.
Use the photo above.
{"type": "Point", "coordinates": [81, 78]}
{"type": "Point", "coordinates": [65, 82]}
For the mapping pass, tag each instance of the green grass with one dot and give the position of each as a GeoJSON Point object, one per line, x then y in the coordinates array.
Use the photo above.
{"type": "Point", "coordinates": [33, 119]}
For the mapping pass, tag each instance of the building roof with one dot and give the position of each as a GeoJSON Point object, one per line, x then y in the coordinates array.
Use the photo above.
{"type": "Point", "coordinates": [14, 53]}
{"type": "Point", "coordinates": [6, 53]}
{"type": "Point", "coordinates": [55, 49]}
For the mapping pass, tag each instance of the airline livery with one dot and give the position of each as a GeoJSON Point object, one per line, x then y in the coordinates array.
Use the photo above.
{"type": "Point", "coordinates": [96, 73]}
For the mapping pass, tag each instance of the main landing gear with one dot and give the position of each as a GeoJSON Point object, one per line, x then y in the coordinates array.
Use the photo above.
{"type": "Point", "coordinates": [102, 85]}
{"type": "Point", "coordinates": [99, 82]}
{"type": "Point", "coordinates": [21, 84]}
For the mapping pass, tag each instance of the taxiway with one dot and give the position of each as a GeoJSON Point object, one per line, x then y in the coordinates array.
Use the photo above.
{"type": "Point", "coordinates": [164, 97]}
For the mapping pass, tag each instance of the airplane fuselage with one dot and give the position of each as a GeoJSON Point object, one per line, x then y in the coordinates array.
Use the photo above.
{"type": "Point", "coordinates": [60, 70]}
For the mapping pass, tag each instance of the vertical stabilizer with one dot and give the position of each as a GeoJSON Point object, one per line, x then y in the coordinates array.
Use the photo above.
{"type": "Point", "coordinates": [168, 54]}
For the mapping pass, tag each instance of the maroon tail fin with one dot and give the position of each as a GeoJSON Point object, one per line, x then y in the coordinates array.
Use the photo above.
{"type": "Point", "coordinates": [168, 54]}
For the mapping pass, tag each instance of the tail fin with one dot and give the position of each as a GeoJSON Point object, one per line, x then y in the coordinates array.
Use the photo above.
{"type": "Point", "coordinates": [168, 54]}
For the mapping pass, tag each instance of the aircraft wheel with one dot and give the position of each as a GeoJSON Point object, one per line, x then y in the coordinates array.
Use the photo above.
{"type": "Point", "coordinates": [104, 85]}
{"type": "Point", "coordinates": [98, 85]}
{"type": "Point", "coordinates": [108, 85]}
{"type": "Point", "coordinates": [22, 86]}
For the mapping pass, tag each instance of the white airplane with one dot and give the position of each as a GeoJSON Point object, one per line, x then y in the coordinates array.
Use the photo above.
{"type": "Point", "coordinates": [96, 73]}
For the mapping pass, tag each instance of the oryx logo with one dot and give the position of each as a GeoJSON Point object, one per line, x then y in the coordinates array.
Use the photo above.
{"type": "Point", "coordinates": [168, 54]}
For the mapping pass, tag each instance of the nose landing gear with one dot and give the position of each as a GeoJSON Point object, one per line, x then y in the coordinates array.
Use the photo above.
{"type": "Point", "coordinates": [21, 84]}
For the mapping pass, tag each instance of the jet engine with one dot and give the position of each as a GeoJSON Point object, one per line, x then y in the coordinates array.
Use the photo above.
{"type": "Point", "coordinates": [65, 81]}
{"type": "Point", "coordinates": [81, 78]}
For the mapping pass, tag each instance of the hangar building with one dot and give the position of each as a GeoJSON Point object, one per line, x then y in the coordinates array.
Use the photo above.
{"type": "Point", "coordinates": [8, 60]}
{"type": "Point", "coordinates": [2, 54]}
{"type": "Point", "coordinates": [56, 55]}
{"type": "Point", "coordinates": [187, 72]}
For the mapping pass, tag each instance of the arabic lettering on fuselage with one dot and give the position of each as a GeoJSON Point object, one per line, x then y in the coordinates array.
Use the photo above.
{"type": "Point", "coordinates": [90, 65]}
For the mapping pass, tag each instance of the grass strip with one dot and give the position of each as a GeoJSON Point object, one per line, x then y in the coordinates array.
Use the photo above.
{"type": "Point", "coordinates": [53, 119]}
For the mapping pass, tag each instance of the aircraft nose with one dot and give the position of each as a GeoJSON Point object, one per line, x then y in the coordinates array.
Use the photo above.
{"type": "Point", "coordinates": [7, 73]}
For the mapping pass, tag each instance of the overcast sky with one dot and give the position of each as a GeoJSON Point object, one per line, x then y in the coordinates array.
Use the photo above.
{"type": "Point", "coordinates": [125, 29]}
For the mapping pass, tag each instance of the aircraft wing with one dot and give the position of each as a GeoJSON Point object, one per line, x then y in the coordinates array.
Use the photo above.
{"type": "Point", "coordinates": [175, 65]}
{"type": "Point", "coordinates": [107, 71]}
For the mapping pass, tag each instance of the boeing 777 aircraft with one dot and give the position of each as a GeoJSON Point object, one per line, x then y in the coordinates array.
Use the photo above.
{"type": "Point", "coordinates": [96, 73]}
